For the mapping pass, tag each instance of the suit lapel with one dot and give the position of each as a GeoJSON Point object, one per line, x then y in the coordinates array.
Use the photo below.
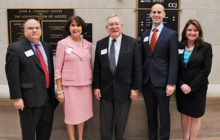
{"type": "Point", "coordinates": [75, 49]}
{"type": "Point", "coordinates": [193, 54]}
{"type": "Point", "coordinates": [105, 56]}
{"type": "Point", "coordinates": [160, 38]}
{"type": "Point", "coordinates": [27, 46]}
{"type": "Point", "coordinates": [122, 49]}
{"type": "Point", "coordinates": [148, 45]}
{"type": "Point", "coordinates": [47, 51]}
{"type": "Point", "coordinates": [84, 51]}
{"type": "Point", "coordinates": [181, 58]}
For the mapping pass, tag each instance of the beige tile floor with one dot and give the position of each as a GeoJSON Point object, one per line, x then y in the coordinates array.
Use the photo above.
{"type": "Point", "coordinates": [211, 138]}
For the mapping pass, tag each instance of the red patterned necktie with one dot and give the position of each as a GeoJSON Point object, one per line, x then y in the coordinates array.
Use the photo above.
{"type": "Point", "coordinates": [42, 62]}
{"type": "Point", "coordinates": [153, 39]}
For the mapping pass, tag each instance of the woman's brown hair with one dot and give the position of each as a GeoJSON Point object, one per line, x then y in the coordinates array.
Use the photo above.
{"type": "Point", "coordinates": [199, 42]}
{"type": "Point", "coordinates": [79, 21]}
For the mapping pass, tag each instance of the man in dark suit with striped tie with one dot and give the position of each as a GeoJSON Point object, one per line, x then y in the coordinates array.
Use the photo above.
{"type": "Point", "coordinates": [160, 57]}
{"type": "Point", "coordinates": [117, 77]}
{"type": "Point", "coordinates": [30, 75]}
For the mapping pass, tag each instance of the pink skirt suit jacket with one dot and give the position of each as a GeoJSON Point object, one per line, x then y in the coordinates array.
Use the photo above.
{"type": "Point", "coordinates": [73, 64]}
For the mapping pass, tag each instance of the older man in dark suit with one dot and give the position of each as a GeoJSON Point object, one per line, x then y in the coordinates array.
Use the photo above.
{"type": "Point", "coordinates": [160, 56]}
{"type": "Point", "coordinates": [117, 77]}
{"type": "Point", "coordinates": [30, 74]}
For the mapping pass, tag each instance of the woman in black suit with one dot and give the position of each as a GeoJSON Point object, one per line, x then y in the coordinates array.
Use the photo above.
{"type": "Point", "coordinates": [195, 60]}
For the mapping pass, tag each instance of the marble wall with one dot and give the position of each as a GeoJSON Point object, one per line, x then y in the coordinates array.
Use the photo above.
{"type": "Point", "coordinates": [96, 11]}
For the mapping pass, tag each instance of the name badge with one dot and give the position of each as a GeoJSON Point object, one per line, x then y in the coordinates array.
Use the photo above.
{"type": "Point", "coordinates": [29, 53]}
{"type": "Point", "coordinates": [104, 51]}
{"type": "Point", "coordinates": [146, 39]}
{"type": "Point", "coordinates": [180, 51]}
{"type": "Point", "coordinates": [68, 50]}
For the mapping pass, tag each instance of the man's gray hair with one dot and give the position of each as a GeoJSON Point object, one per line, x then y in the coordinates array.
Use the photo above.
{"type": "Point", "coordinates": [114, 15]}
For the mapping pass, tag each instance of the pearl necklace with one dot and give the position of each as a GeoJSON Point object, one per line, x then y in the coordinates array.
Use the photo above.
{"type": "Point", "coordinates": [189, 49]}
{"type": "Point", "coordinates": [77, 44]}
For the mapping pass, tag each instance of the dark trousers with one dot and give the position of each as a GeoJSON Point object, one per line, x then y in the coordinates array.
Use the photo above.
{"type": "Point", "coordinates": [112, 111]}
{"type": "Point", "coordinates": [155, 97]}
{"type": "Point", "coordinates": [36, 122]}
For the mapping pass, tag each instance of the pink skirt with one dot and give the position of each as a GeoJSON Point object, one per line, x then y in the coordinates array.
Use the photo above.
{"type": "Point", "coordinates": [77, 104]}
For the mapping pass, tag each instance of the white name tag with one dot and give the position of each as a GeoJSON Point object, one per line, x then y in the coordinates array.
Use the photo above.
{"type": "Point", "coordinates": [180, 51]}
{"type": "Point", "coordinates": [68, 50]}
{"type": "Point", "coordinates": [104, 51]}
{"type": "Point", "coordinates": [29, 53]}
{"type": "Point", "coordinates": [146, 39]}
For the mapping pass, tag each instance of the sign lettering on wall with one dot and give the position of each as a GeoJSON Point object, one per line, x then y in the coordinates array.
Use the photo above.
{"type": "Point", "coordinates": [143, 14]}
{"type": "Point", "coordinates": [52, 23]}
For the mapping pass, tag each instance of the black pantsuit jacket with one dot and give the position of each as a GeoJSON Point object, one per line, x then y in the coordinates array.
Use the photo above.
{"type": "Point", "coordinates": [195, 75]}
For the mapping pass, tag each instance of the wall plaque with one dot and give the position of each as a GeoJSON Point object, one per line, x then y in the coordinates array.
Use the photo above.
{"type": "Point", "coordinates": [52, 23]}
{"type": "Point", "coordinates": [173, 4]}
{"type": "Point", "coordinates": [143, 14]}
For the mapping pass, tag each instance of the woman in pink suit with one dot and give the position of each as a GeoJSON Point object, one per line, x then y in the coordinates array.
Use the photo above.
{"type": "Point", "coordinates": [73, 74]}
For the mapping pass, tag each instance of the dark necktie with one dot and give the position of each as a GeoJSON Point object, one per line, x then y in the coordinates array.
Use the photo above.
{"type": "Point", "coordinates": [112, 56]}
{"type": "Point", "coordinates": [43, 64]}
{"type": "Point", "coordinates": [153, 39]}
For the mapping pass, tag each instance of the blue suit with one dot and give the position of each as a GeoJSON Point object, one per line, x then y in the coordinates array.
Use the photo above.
{"type": "Point", "coordinates": [159, 70]}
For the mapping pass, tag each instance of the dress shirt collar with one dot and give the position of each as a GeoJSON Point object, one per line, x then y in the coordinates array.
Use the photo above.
{"type": "Point", "coordinates": [39, 43]}
{"type": "Point", "coordinates": [159, 28]}
{"type": "Point", "coordinates": [118, 40]}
